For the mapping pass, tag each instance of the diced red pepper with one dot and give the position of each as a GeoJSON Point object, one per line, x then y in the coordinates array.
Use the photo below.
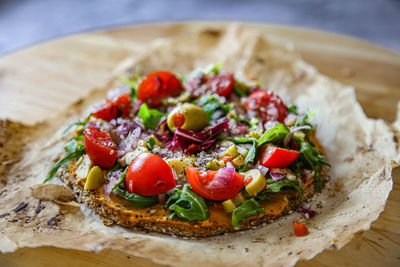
{"type": "Point", "coordinates": [300, 229]}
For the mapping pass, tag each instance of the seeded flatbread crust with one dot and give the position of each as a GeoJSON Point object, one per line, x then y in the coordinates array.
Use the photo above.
{"type": "Point", "coordinates": [115, 210]}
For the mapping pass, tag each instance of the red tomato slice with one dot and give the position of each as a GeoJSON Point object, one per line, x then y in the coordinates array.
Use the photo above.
{"type": "Point", "coordinates": [157, 85]}
{"type": "Point", "coordinates": [275, 157]}
{"type": "Point", "coordinates": [119, 106]}
{"type": "Point", "coordinates": [221, 84]}
{"type": "Point", "coordinates": [99, 147]}
{"type": "Point", "coordinates": [300, 229]}
{"type": "Point", "coordinates": [268, 105]}
{"type": "Point", "coordinates": [149, 174]}
{"type": "Point", "coordinates": [215, 185]}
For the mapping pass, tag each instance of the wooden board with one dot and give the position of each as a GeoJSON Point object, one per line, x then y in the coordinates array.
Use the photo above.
{"type": "Point", "coordinates": [74, 65]}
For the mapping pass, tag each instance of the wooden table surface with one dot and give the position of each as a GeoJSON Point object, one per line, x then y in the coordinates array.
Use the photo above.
{"type": "Point", "coordinates": [69, 68]}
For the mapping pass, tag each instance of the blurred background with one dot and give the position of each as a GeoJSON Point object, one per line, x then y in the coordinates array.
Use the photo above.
{"type": "Point", "coordinates": [27, 22]}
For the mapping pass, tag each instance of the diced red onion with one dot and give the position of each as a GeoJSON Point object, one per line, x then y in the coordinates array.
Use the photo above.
{"type": "Point", "coordinates": [276, 176]}
{"type": "Point", "coordinates": [306, 212]}
{"type": "Point", "coordinates": [263, 169]}
{"type": "Point", "coordinates": [289, 136]}
{"type": "Point", "coordinates": [229, 164]}
{"type": "Point", "coordinates": [108, 188]}
{"type": "Point", "coordinates": [242, 128]}
{"type": "Point", "coordinates": [161, 198]}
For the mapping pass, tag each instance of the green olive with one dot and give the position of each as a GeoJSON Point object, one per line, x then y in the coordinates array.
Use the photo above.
{"type": "Point", "coordinates": [194, 117]}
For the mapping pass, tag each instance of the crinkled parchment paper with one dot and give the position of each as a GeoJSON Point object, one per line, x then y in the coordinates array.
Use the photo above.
{"type": "Point", "coordinates": [359, 149]}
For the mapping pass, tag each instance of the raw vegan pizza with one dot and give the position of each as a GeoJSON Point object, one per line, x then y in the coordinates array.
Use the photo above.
{"type": "Point", "coordinates": [194, 155]}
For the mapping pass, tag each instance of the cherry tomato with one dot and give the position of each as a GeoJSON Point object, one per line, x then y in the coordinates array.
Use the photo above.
{"type": "Point", "coordinates": [268, 105]}
{"type": "Point", "coordinates": [275, 157]}
{"type": "Point", "coordinates": [221, 84]}
{"type": "Point", "coordinates": [299, 229]}
{"type": "Point", "coordinates": [215, 185]}
{"type": "Point", "coordinates": [157, 85]}
{"type": "Point", "coordinates": [149, 174]}
{"type": "Point", "coordinates": [99, 147]}
{"type": "Point", "coordinates": [119, 106]}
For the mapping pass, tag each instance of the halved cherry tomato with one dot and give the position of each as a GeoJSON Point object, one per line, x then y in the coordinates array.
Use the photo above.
{"type": "Point", "coordinates": [276, 157]}
{"type": "Point", "coordinates": [215, 185]}
{"type": "Point", "coordinates": [268, 105]}
{"type": "Point", "coordinates": [99, 147]}
{"type": "Point", "coordinates": [300, 229]}
{"type": "Point", "coordinates": [119, 106]}
{"type": "Point", "coordinates": [221, 84]}
{"type": "Point", "coordinates": [157, 85]}
{"type": "Point", "coordinates": [149, 174]}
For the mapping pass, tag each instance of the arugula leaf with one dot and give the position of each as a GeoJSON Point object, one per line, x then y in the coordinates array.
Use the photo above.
{"type": "Point", "coordinates": [151, 142]}
{"type": "Point", "coordinates": [121, 178]}
{"type": "Point", "coordinates": [132, 83]}
{"type": "Point", "coordinates": [239, 91]}
{"type": "Point", "coordinates": [242, 120]}
{"type": "Point", "coordinates": [305, 120]}
{"type": "Point", "coordinates": [137, 200]}
{"type": "Point", "coordinates": [71, 155]}
{"type": "Point", "coordinates": [115, 167]}
{"type": "Point", "coordinates": [210, 104]}
{"type": "Point", "coordinates": [213, 69]}
{"type": "Point", "coordinates": [274, 135]}
{"type": "Point", "coordinates": [309, 157]}
{"type": "Point", "coordinates": [70, 146]}
{"type": "Point", "coordinates": [150, 117]}
{"type": "Point", "coordinates": [278, 186]}
{"type": "Point", "coordinates": [78, 123]}
{"type": "Point", "coordinates": [248, 208]}
{"type": "Point", "coordinates": [189, 205]}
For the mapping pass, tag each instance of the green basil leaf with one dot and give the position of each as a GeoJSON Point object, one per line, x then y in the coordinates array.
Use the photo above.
{"type": "Point", "coordinates": [137, 200]}
{"type": "Point", "coordinates": [190, 206]}
{"type": "Point", "coordinates": [274, 135]}
{"type": "Point", "coordinates": [248, 208]}
{"type": "Point", "coordinates": [150, 117]}
{"type": "Point", "coordinates": [121, 178]}
{"type": "Point", "coordinates": [292, 109]}
{"type": "Point", "coordinates": [210, 104]}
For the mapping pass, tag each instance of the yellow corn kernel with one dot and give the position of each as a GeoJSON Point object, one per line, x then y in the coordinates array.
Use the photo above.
{"type": "Point", "coordinates": [228, 206]}
{"type": "Point", "coordinates": [254, 134]}
{"type": "Point", "coordinates": [95, 178]}
{"type": "Point", "coordinates": [242, 151]}
{"type": "Point", "coordinates": [257, 183]}
{"type": "Point", "coordinates": [178, 164]}
{"type": "Point", "coordinates": [215, 165]}
{"type": "Point", "coordinates": [238, 199]}
{"type": "Point", "coordinates": [299, 134]}
{"type": "Point", "coordinates": [230, 152]}
{"type": "Point", "coordinates": [238, 161]}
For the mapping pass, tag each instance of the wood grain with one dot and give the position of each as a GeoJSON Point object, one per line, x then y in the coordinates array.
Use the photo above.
{"type": "Point", "coordinates": [74, 65]}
